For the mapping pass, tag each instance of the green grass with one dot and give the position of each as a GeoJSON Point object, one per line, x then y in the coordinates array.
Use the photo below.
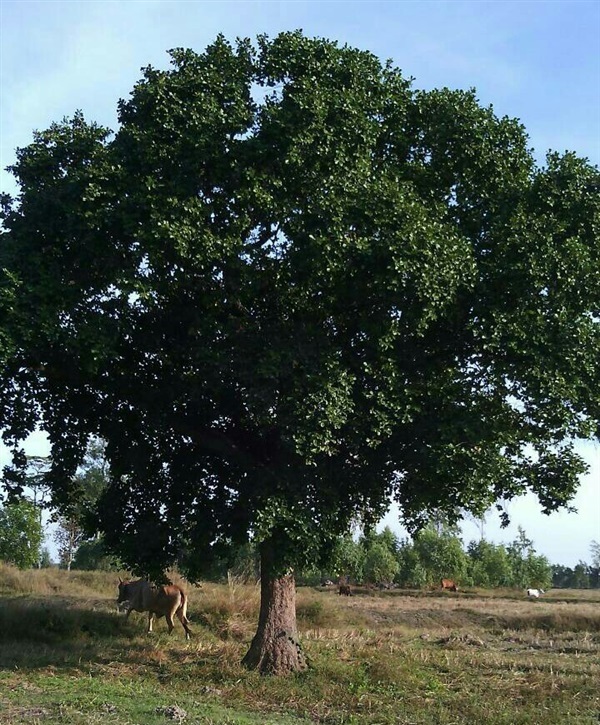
{"type": "Point", "coordinates": [67, 656]}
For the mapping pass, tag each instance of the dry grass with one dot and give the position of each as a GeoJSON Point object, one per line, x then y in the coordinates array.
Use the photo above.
{"type": "Point", "coordinates": [67, 656]}
{"type": "Point", "coordinates": [228, 611]}
{"type": "Point", "coordinates": [52, 582]}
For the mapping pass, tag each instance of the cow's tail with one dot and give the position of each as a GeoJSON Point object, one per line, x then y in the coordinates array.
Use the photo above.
{"type": "Point", "coordinates": [184, 604]}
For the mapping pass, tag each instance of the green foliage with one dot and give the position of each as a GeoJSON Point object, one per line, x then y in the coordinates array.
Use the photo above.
{"type": "Point", "coordinates": [239, 563]}
{"type": "Point", "coordinates": [244, 565]}
{"type": "Point", "coordinates": [430, 557]}
{"type": "Point", "coordinates": [527, 568]}
{"type": "Point", "coordinates": [287, 287]}
{"type": "Point", "coordinates": [489, 564]}
{"type": "Point", "coordinates": [21, 534]}
{"type": "Point", "coordinates": [45, 558]}
{"type": "Point", "coordinates": [581, 576]}
{"type": "Point", "coordinates": [441, 555]}
{"type": "Point", "coordinates": [389, 539]}
{"type": "Point", "coordinates": [380, 564]}
{"type": "Point", "coordinates": [539, 571]}
{"type": "Point", "coordinates": [434, 555]}
{"type": "Point", "coordinates": [347, 558]}
{"type": "Point", "coordinates": [78, 523]}
{"type": "Point", "coordinates": [92, 556]}
{"type": "Point", "coordinates": [412, 572]}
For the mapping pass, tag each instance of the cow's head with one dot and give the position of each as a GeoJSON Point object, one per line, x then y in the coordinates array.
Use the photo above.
{"type": "Point", "coordinates": [123, 591]}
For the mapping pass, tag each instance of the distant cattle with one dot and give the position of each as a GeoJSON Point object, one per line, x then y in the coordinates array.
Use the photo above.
{"type": "Point", "coordinates": [535, 593]}
{"type": "Point", "coordinates": [449, 584]}
{"type": "Point", "coordinates": [345, 590]}
{"type": "Point", "coordinates": [169, 600]}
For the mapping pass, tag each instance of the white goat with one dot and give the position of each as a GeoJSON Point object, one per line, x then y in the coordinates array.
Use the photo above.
{"type": "Point", "coordinates": [535, 593]}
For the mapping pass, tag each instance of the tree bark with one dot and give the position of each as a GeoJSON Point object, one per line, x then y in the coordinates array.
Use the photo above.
{"type": "Point", "coordinates": [275, 649]}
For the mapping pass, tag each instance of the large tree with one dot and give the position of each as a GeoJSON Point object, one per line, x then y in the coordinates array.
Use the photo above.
{"type": "Point", "coordinates": [287, 288]}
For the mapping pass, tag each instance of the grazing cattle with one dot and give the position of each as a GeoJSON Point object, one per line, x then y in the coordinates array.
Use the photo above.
{"type": "Point", "coordinates": [169, 600]}
{"type": "Point", "coordinates": [535, 593]}
{"type": "Point", "coordinates": [345, 590]}
{"type": "Point", "coordinates": [449, 584]}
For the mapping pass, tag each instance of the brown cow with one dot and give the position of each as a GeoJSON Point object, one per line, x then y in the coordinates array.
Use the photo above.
{"type": "Point", "coordinates": [168, 600]}
{"type": "Point", "coordinates": [345, 589]}
{"type": "Point", "coordinates": [450, 585]}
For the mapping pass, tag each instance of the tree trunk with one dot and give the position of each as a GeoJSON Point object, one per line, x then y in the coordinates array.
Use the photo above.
{"type": "Point", "coordinates": [275, 649]}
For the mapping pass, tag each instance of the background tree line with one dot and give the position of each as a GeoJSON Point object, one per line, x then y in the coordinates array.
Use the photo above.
{"type": "Point", "coordinates": [437, 552]}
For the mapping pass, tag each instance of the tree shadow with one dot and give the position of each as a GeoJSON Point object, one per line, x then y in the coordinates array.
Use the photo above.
{"type": "Point", "coordinates": [38, 632]}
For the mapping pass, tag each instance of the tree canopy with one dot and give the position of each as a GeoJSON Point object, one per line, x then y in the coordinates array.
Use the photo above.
{"type": "Point", "coordinates": [288, 287]}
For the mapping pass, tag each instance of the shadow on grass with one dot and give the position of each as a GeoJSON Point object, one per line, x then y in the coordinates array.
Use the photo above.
{"type": "Point", "coordinates": [56, 619]}
{"type": "Point", "coordinates": [40, 632]}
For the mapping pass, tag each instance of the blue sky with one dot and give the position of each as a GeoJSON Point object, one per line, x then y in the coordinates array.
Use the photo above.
{"type": "Point", "coordinates": [538, 61]}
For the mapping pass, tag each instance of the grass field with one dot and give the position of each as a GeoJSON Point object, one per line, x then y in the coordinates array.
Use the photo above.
{"type": "Point", "coordinates": [67, 656]}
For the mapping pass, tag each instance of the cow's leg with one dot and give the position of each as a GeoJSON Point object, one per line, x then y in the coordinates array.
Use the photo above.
{"type": "Point", "coordinates": [169, 618]}
{"type": "Point", "coordinates": [185, 622]}
{"type": "Point", "coordinates": [150, 620]}
{"type": "Point", "coordinates": [128, 612]}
